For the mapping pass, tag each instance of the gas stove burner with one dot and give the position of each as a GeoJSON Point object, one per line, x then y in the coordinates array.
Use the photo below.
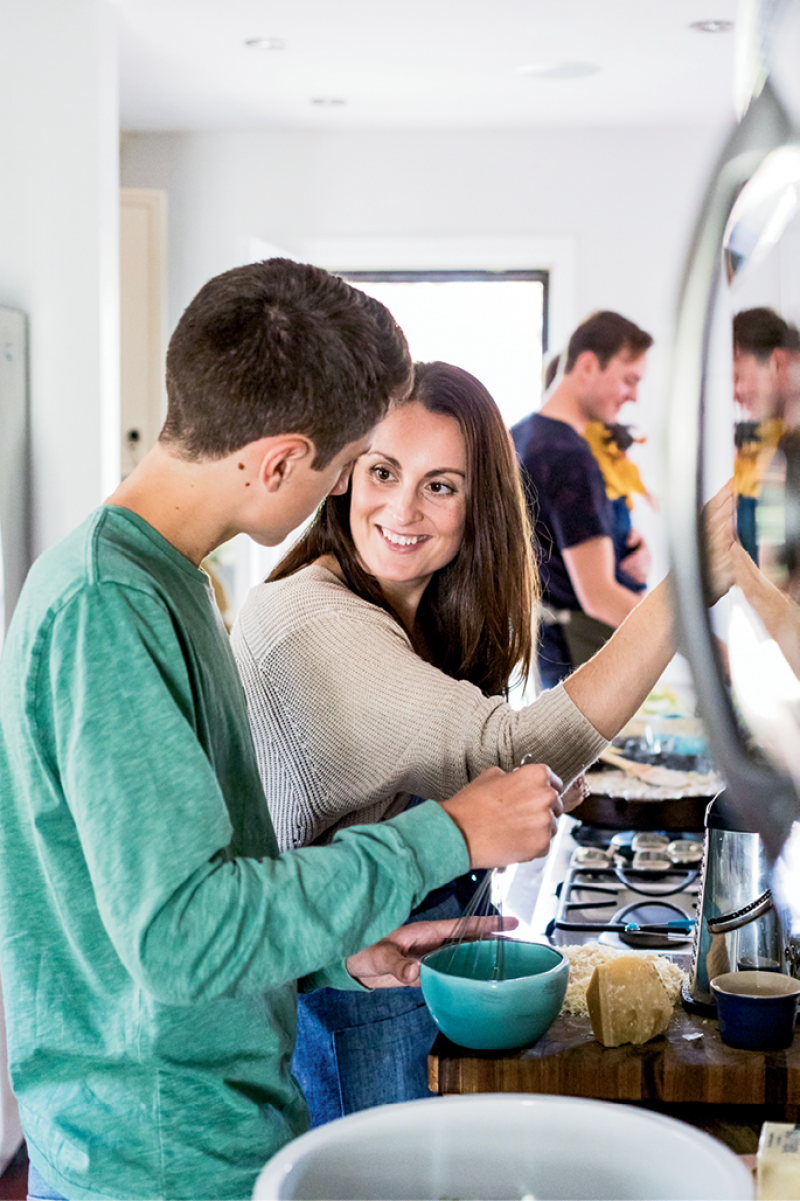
{"type": "Point", "coordinates": [649, 841]}
{"type": "Point", "coordinates": [686, 852]}
{"type": "Point", "coordinates": [653, 924]}
{"type": "Point", "coordinates": [592, 857]}
{"type": "Point", "coordinates": [650, 863]}
{"type": "Point", "coordinates": [586, 835]}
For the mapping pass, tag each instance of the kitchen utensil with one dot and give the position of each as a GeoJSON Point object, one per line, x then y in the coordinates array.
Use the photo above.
{"type": "Point", "coordinates": [505, 1146]}
{"type": "Point", "coordinates": [633, 813]}
{"type": "Point", "coordinates": [660, 777]}
{"type": "Point", "coordinates": [475, 1007]}
{"type": "Point", "coordinates": [472, 928]}
{"type": "Point", "coordinates": [738, 926]}
{"type": "Point", "coordinates": [756, 1010]}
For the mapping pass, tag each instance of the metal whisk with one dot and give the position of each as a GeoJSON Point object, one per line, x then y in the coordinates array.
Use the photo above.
{"type": "Point", "coordinates": [471, 929]}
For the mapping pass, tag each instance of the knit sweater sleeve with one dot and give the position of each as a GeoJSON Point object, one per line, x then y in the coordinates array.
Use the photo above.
{"type": "Point", "coordinates": [346, 716]}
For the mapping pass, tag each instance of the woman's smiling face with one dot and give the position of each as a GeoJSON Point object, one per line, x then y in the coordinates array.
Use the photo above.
{"type": "Point", "coordinates": [408, 500]}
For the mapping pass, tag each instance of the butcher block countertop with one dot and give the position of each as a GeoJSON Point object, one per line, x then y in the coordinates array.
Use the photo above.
{"type": "Point", "coordinates": [673, 1068]}
{"type": "Point", "coordinates": [726, 1092]}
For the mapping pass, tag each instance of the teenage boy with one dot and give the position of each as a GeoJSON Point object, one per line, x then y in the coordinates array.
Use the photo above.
{"type": "Point", "coordinates": [590, 581]}
{"type": "Point", "coordinates": [151, 935]}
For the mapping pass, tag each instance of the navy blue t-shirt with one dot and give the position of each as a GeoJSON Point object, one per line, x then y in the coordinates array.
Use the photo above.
{"type": "Point", "coordinates": [567, 502]}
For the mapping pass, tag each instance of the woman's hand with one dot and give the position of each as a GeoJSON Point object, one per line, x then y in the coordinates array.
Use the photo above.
{"type": "Point", "coordinates": [572, 796]}
{"type": "Point", "coordinates": [394, 961]}
{"type": "Point", "coordinates": [720, 526]}
{"type": "Point", "coordinates": [507, 817]}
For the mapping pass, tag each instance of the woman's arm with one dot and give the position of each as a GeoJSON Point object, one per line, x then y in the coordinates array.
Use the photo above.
{"type": "Point", "coordinates": [609, 689]}
{"type": "Point", "coordinates": [779, 613]}
{"type": "Point", "coordinates": [346, 717]}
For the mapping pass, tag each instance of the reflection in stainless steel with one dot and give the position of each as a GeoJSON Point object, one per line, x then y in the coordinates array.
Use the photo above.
{"type": "Point", "coordinates": [763, 209]}
{"type": "Point", "coordinates": [737, 922]}
{"type": "Point", "coordinates": [760, 791]}
{"type": "Point", "coordinates": [757, 25]}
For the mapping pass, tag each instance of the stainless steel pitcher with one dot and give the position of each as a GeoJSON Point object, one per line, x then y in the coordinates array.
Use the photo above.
{"type": "Point", "coordinates": [738, 926]}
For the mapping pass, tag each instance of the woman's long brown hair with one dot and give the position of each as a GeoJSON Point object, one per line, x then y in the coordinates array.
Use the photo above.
{"type": "Point", "coordinates": [475, 616]}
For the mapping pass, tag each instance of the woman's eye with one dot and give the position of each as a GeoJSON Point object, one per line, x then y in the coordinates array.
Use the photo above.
{"type": "Point", "coordinates": [381, 473]}
{"type": "Point", "coordinates": [440, 488]}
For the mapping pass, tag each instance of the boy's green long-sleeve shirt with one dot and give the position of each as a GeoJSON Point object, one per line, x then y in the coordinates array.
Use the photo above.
{"type": "Point", "coordinates": [151, 935]}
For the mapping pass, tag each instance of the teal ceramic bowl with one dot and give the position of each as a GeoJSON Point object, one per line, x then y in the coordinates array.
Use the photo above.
{"type": "Point", "coordinates": [475, 1010]}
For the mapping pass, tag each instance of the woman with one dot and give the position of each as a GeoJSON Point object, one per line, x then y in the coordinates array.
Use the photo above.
{"type": "Point", "coordinates": [381, 647]}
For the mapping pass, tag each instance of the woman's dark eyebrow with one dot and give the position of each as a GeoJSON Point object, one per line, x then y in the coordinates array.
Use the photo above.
{"type": "Point", "coordinates": [437, 471]}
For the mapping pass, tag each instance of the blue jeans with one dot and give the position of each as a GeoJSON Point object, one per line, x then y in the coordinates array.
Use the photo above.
{"type": "Point", "coordinates": [553, 659]}
{"type": "Point", "coordinates": [355, 1050]}
{"type": "Point", "coordinates": [746, 525]}
{"type": "Point", "coordinates": [39, 1189]}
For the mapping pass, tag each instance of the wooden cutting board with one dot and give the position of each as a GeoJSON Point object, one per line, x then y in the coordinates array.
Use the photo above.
{"type": "Point", "coordinates": [671, 1069]}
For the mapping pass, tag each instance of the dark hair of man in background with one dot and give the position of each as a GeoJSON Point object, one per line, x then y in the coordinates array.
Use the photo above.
{"type": "Point", "coordinates": [259, 345]}
{"type": "Point", "coordinates": [760, 331]}
{"type": "Point", "coordinates": [606, 334]}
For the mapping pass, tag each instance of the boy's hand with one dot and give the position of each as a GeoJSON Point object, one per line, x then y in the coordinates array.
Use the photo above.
{"type": "Point", "coordinates": [507, 817]}
{"type": "Point", "coordinates": [394, 961]}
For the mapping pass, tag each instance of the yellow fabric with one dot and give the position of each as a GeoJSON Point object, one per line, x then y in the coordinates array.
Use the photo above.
{"type": "Point", "coordinates": [753, 458]}
{"type": "Point", "coordinates": [621, 476]}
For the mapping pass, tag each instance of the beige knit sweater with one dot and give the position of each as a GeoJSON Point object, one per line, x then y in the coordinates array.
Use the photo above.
{"type": "Point", "coordinates": [348, 721]}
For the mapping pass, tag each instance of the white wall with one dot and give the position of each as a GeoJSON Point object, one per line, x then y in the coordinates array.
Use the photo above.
{"type": "Point", "coordinates": [622, 199]}
{"type": "Point", "coordinates": [59, 181]}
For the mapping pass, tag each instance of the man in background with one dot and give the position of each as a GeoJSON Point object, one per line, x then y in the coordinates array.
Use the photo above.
{"type": "Point", "coordinates": [766, 383]}
{"type": "Point", "coordinates": [589, 585]}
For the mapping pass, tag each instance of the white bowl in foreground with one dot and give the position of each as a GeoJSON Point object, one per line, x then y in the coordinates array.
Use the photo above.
{"type": "Point", "coordinates": [505, 1146]}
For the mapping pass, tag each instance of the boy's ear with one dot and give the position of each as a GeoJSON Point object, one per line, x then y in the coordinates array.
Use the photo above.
{"type": "Point", "coordinates": [281, 456]}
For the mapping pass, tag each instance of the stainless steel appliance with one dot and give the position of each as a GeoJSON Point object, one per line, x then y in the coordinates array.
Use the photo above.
{"type": "Point", "coordinates": [738, 926]}
{"type": "Point", "coordinates": [750, 700]}
{"type": "Point", "coordinates": [630, 890]}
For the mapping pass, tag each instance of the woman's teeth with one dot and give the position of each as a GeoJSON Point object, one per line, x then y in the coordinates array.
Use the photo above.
{"type": "Point", "coordinates": [398, 539]}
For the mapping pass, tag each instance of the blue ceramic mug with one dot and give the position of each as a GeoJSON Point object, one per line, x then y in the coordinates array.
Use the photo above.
{"type": "Point", "coordinates": [756, 1010]}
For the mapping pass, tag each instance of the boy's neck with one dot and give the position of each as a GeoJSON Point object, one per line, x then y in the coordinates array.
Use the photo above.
{"type": "Point", "coordinates": [187, 502]}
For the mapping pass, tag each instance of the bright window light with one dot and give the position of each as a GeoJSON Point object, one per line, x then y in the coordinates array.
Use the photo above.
{"type": "Point", "coordinates": [490, 324]}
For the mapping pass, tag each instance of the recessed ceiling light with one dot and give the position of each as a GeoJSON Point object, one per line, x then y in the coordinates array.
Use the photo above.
{"type": "Point", "coordinates": [266, 43]}
{"type": "Point", "coordinates": [712, 26]}
{"type": "Point", "coordinates": [559, 70]}
{"type": "Point", "coordinates": [328, 101]}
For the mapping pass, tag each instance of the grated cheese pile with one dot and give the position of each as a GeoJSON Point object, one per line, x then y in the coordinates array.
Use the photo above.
{"type": "Point", "coordinates": [584, 959]}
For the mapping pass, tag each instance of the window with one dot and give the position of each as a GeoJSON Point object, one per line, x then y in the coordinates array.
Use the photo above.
{"type": "Point", "coordinates": [491, 323]}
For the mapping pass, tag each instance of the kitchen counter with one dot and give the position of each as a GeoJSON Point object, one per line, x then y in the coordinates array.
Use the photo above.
{"type": "Point", "coordinates": [727, 1092]}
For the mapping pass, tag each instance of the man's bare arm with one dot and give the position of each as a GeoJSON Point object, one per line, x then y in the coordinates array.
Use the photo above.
{"type": "Point", "coordinates": [613, 684]}
{"type": "Point", "coordinates": [591, 570]}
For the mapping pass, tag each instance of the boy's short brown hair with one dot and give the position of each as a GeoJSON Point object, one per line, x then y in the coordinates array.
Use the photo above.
{"type": "Point", "coordinates": [281, 347]}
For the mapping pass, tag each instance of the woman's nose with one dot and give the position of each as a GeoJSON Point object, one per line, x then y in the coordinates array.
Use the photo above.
{"type": "Point", "coordinates": [405, 505]}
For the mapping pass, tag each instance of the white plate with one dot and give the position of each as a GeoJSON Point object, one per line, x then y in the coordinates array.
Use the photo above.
{"type": "Point", "coordinates": [501, 1146]}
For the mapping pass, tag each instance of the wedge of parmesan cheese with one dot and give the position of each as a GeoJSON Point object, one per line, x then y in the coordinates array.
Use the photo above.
{"type": "Point", "coordinates": [585, 958]}
{"type": "Point", "coordinates": [627, 1002]}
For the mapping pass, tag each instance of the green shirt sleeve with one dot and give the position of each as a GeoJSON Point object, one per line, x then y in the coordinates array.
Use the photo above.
{"type": "Point", "coordinates": [189, 914]}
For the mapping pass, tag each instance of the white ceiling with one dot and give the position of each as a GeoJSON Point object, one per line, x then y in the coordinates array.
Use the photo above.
{"type": "Point", "coordinates": [421, 63]}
